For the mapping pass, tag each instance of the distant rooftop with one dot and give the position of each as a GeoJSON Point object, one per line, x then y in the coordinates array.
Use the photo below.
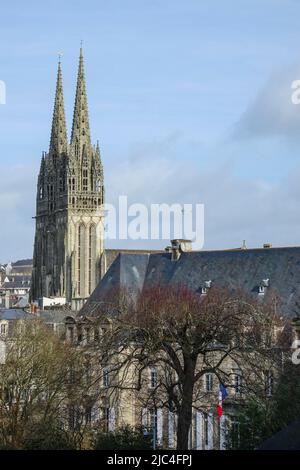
{"type": "Point", "coordinates": [23, 262]}
{"type": "Point", "coordinates": [14, 314]}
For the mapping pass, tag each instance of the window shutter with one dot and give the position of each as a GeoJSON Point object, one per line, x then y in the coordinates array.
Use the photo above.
{"type": "Point", "coordinates": [111, 419]}
{"type": "Point", "coordinates": [145, 419]}
{"type": "Point", "coordinates": [223, 429]}
{"type": "Point", "coordinates": [159, 426]}
{"type": "Point", "coordinates": [199, 424]}
{"type": "Point", "coordinates": [170, 429]}
{"type": "Point", "coordinates": [210, 431]}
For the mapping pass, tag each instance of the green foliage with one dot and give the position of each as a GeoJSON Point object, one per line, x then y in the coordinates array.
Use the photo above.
{"type": "Point", "coordinates": [287, 398]}
{"type": "Point", "coordinates": [254, 426]}
{"type": "Point", "coordinates": [122, 439]}
{"type": "Point", "coordinates": [260, 419]}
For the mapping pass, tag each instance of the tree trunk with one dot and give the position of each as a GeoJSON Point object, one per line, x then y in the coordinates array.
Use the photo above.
{"type": "Point", "coordinates": [185, 411]}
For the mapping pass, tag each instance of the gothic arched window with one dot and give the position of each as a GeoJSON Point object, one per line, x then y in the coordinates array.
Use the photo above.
{"type": "Point", "coordinates": [91, 260]}
{"type": "Point", "coordinates": [81, 259]}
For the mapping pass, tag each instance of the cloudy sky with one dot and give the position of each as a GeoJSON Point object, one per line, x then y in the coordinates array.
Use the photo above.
{"type": "Point", "coordinates": [190, 100]}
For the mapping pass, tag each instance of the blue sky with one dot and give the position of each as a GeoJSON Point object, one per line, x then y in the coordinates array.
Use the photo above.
{"type": "Point", "coordinates": [190, 102]}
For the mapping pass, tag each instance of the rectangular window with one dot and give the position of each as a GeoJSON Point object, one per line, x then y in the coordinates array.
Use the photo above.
{"type": "Point", "coordinates": [237, 381]}
{"type": "Point", "coordinates": [88, 415]}
{"type": "Point", "coordinates": [3, 329]}
{"type": "Point", "coordinates": [208, 382]}
{"type": "Point", "coordinates": [270, 383]}
{"type": "Point", "coordinates": [235, 427]}
{"type": "Point", "coordinates": [153, 425]}
{"type": "Point", "coordinates": [70, 333]}
{"type": "Point", "coordinates": [206, 439]}
{"type": "Point", "coordinates": [153, 377]}
{"type": "Point", "coordinates": [105, 418]}
{"type": "Point", "coordinates": [105, 377]}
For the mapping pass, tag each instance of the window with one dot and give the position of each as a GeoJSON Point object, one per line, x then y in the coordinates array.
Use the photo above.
{"type": "Point", "coordinates": [153, 425]}
{"type": "Point", "coordinates": [208, 382]}
{"type": "Point", "coordinates": [235, 430]}
{"type": "Point", "coordinates": [88, 415]}
{"type": "Point", "coordinates": [72, 375]}
{"type": "Point", "coordinates": [70, 333]}
{"type": "Point", "coordinates": [3, 329]}
{"type": "Point", "coordinates": [91, 251]}
{"type": "Point", "coordinates": [206, 439]}
{"type": "Point", "coordinates": [237, 381]}
{"type": "Point", "coordinates": [74, 417]}
{"type": "Point", "coordinates": [85, 180]}
{"type": "Point", "coordinates": [79, 260]}
{"type": "Point", "coordinates": [261, 289]}
{"type": "Point", "coordinates": [105, 418]}
{"type": "Point", "coordinates": [153, 377]}
{"type": "Point", "coordinates": [270, 383]}
{"type": "Point", "coordinates": [105, 377]}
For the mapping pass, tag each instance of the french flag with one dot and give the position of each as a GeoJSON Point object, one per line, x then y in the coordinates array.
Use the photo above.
{"type": "Point", "coordinates": [222, 395]}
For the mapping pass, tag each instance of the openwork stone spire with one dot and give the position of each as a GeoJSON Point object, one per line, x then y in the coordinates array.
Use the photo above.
{"type": "Point", "coordinates": [80, 128]}
{"type": "Point", "coordinates": [58, 142]}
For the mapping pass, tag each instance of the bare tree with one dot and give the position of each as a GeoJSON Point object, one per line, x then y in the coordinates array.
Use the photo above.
{"type": "Point", "coordinates": [186, 336]}
{"type": "Point", "coordinates": [35, 380]}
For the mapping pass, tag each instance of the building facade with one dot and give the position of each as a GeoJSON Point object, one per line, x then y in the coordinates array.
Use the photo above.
{"type": "Point", "coordinates": [69, 237]}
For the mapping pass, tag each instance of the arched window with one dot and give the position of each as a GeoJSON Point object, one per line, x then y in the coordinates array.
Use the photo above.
{"type": "Point", "coordinates": [91, 260]}
{"type": "Point", "coordinates": [80, 259]}
{"type": "Point", "coordinates": [84, 179]}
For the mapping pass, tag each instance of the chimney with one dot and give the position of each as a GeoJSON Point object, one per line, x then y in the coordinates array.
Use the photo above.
{"type": "Point", "coordinates": [267, 245]}
{"type": "Point", "coordinates": [179, 246]}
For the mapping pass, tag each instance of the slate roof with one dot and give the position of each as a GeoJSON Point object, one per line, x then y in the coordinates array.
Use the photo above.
{"type": "Point", "coordinates": [23, 262]}
{"type": "Point", "coordinates": [112, 254]}
{"type": "Point", "coordinates": [55, 316]}
{"type": "Point", "coordinates": [16, 284]}
{"type": "Point", "coordinates": [286, 439]}
{"type": "Point", "coordinates": [233, 269]}
{"type": "Point", "coordinates": [14, 314]}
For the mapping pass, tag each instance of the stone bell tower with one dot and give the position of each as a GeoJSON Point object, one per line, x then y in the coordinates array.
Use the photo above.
{"type": "Point", "coordinates": [69, 237]}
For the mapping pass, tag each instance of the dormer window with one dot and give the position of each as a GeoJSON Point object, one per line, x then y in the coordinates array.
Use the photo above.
{"type": "Point", "coordinates": [261, 289]}
{"type": "Point", "coordinates": [206, 287]}
{"type": "Point", "coordinates": [263, 286]}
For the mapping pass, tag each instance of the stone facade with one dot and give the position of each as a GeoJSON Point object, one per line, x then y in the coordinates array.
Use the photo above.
{"type": "Point", "coordinates": [69, 206]}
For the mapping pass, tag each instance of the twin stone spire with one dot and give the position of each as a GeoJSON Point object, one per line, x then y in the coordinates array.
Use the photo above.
{"type": "Point", "coordinates": [80, 136]}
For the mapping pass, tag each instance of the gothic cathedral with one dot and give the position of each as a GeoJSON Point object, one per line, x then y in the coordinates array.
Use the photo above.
{"type": "Point", "coordinates": [69, 237]}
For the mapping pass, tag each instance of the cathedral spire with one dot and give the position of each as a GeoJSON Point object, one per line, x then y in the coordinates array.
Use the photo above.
{"type": "Point", "coordinates": [58, 142]}
{"type": "Point", "coordinates": [80, 128]}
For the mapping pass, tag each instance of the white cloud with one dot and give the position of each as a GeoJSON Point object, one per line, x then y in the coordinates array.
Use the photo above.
{"type": "Point", "coordinates": [272, 112]}
{"type": "Point", "coordinates": [250, 208]}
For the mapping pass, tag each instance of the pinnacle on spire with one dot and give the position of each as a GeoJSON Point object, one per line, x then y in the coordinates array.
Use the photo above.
{"type": "Point", "coordinates": [80, 128]}
{"type": "Point", "coordinates": [58, 142]}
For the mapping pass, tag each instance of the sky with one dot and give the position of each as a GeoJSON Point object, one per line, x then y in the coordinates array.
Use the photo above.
{"type": "Point", "coordinates": [190, 101]}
